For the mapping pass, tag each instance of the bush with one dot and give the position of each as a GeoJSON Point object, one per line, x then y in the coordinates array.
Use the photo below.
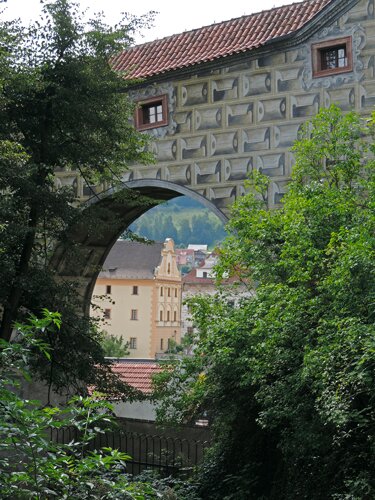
{"type": "Point", "coordinates": [31, 464]}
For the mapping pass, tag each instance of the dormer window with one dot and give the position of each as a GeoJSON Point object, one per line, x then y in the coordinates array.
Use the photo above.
{"type": "Point", "coordinates": [332, 57]}
{"type": "Point", "coordinates": [151, 113]}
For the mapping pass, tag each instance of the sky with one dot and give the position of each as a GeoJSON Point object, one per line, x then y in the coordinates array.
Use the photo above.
{"type": "Point", "coordinates": [173, 16]}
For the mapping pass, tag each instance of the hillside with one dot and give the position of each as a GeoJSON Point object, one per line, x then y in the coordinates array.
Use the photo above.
{"type": "Point", "coordinates": [184, 220]}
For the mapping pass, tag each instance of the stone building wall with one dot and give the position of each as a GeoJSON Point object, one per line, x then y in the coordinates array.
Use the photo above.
{"type": "Point", "coordinates": [225, 119]}
{"type": "Point", "coordinates": [225, 122]}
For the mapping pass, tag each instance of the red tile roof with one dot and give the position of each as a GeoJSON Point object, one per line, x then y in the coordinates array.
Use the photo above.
{"type": "Point", "coordinates": [137, 373]}
{"type": "Point", "coordinates": [217, 40]}
{"type": "Point", "coordinates": [184, 251]}
{"type": "Point", "coordinates": [192, 277]}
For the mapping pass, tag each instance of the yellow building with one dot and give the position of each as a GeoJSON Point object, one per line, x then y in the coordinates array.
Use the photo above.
{"type": "Point", "coordinates": [138, 293]}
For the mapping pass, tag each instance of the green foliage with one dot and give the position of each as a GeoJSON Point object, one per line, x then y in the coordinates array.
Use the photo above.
{"type": "Point", "coordinates": [33, 465]}
{"type": "Point", "coordinates": [171, 488]}
{"type": "Point", "coordinates": [183, 220]}
{"type": "Point", "coordinates": [114, 347]}
{"type": "Point", "coordinates": [61, 107]}
{"type": "Point", "coordinates": [287, 377]}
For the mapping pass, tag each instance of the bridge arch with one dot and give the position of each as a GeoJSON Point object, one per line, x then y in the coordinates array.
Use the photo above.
{"type": "Point", "coordinates": [155, 187]}
{"type": "Point", "coordinates": [104, 217]}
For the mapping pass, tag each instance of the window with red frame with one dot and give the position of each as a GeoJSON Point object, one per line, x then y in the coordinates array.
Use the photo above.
{"type": "Point", "coordinates": [151, 113]}
{"type": "Point", "coordinates": [332, 56]}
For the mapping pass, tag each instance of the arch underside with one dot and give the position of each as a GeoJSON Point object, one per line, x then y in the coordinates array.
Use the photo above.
{"type": "Point", "coordinates": [80, 257]}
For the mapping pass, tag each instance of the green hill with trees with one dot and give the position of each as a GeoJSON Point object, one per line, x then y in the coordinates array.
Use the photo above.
{"type": "Point", "coordinates": [182, 219]}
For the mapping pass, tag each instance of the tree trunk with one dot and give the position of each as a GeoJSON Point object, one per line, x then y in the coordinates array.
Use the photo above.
{"type": "Point", "coordinates": [12, 304]}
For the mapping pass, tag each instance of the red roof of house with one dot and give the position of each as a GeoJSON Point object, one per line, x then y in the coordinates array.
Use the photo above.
{"type": "Point", "coordinates": [137, 373]}
{"type": "Point", "coordinates": [217, 40]}
{"type": "Point", "coordinates": [184, 251]}
{"type": "Point", "coordinates": [192, 277]}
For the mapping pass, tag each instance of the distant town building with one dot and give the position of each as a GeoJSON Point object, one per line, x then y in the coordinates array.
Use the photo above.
{"type": "Point", "coordinates": [193, 256]}
{"type": "Point", "coordinates": [202, 248]}
{"type": "Point", "coordinates": [201, 281]}
{"type": "Point", "coordinates": [138, 295]}
{"type": "Point", "coordinates": [185, 256]}
{"type": "Point", "coordinates": [206, 270]}
{"type": "Point", "coordinates": [199, 257]}
{"type": "Point", "coordinates": [196, 282]}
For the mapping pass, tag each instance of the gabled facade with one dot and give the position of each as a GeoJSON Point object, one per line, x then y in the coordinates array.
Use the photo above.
{"type": "Point", "coordinates": [228, 98]}
{"type": "Point", "coordinates": [138, 295]}
{"type": "Point", "coordinates": [167, 301]}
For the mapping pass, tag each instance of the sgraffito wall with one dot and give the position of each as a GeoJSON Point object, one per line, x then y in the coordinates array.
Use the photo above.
{"type": "Point", "coordinates": [226, 122]}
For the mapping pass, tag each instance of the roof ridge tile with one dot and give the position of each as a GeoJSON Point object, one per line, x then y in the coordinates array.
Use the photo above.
{"type": "Point", "coordinates": [221, 39]}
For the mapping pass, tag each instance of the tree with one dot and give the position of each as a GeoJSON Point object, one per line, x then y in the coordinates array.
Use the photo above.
{"type": "Point", "coordinates": [114, 347]}
{"type": "Point", "coordinates": [34, 465]}
{"type": "Point", "coordinates": [184, 232]}
{"type": "Point", "coordinates": [61, 106]}
{"type": "Point", "coordinates": [199, 228]}
{"type": "Point", "coordinates": [184, 220]}
{"type": "Point", "coordinates": [287, 378]}
{"type": "Point", "coordinates": [168, 228]}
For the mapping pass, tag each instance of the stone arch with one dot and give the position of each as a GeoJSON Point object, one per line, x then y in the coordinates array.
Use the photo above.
{"type": "Point", "coordinates": [104, 217]}
{"type": "Point", "coordinates": [154, 185]}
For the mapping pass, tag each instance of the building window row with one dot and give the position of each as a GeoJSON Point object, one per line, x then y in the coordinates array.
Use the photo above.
{"type": "Point", "coordinates": [167, 317]}
{"type": "Point", "coordinates": [108, 290]}
{"type": "Point", "coordinates": [134, 315]}
{"type": "Point", "coordinates": [170, 291]}
{"type": "Point", "coordinates": [169, 342]}
{"type": "Point", "coordinates": [329, 57]}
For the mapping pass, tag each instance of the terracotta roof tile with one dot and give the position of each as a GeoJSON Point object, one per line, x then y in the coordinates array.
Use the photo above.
{"type": "Point", "coordinates": [137, 373]}
{"type": "Point", "coordinates": [217, 40]}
